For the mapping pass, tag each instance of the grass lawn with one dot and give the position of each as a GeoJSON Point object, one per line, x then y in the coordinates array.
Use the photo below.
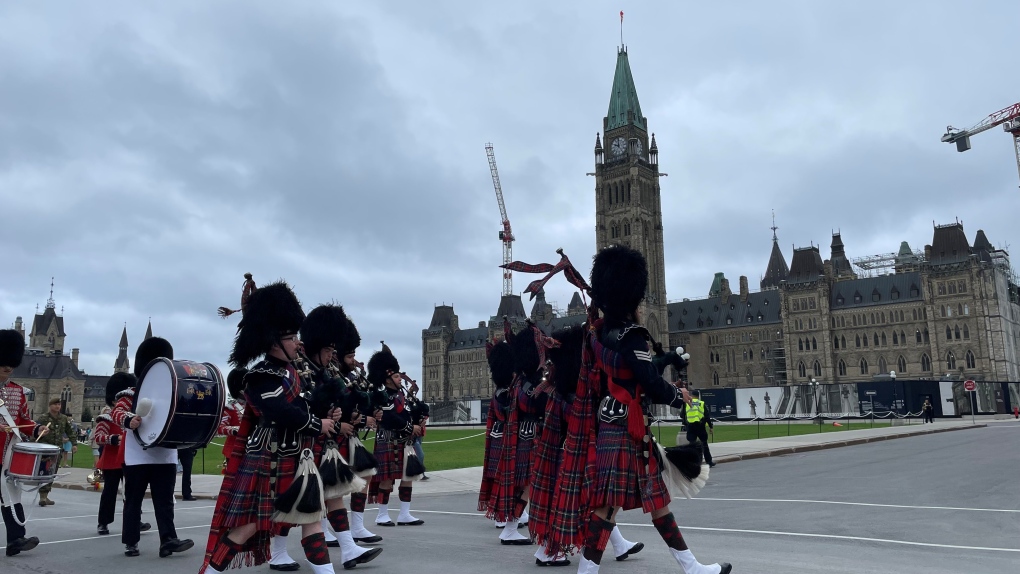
{"type": "Point", "coordinates": [447, 448]}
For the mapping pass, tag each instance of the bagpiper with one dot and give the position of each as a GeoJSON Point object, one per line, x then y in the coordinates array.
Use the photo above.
{"type": "Point", "coordinates": [14, 422]}
{"type": "Point", "coordinates": [276, 479]}
{"type": "Point", "coordinates": [322, 333]}
{"type": "Point", "coordinates": [395, 432]}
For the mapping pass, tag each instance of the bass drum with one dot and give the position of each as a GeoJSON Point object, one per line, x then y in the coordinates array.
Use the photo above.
{"type": "Point", "coordinates": [187, 401]}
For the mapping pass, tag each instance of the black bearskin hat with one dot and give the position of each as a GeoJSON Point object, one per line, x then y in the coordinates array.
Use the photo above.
{"type": "Point", "coordinates": [149, 349]}
{"type": "Point", "coordinates": [501, 364]}
{"type": "Point", "coordinates": [12, 348]}
{"type": "Point", "coordinates": [566, 358]}
{"type": "Point", "coordinates": [119, 382]}
{"type": "Point", "coordinates": [270, 313]}
{"type": "Point", "coordinates": [381, 365]}
{"type": "Point", "coordinates": [235, 383]}
{"type": "Point", "coordinates": [352, 340]}
{"type": "Point", "coordinates": [325, 326]}
{"type": "Point", "coordinates": [619, 278]}
{"type": "Point", "coordinates": [525, 349]}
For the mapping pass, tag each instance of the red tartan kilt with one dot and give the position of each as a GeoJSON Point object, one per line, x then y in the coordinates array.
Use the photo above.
{"type": "Point", "coordinates": [545, 467]}
{"type": "Point", "coordinates": [522, 463]}
{"type": "Point", "coordinates": [251, 498]}
{"type": "Point", "coordinates": [390, 457]}
{"type": "Point", "coordinates": [620, 478]}
{"type": "Point", "coordinates": [492, 457]}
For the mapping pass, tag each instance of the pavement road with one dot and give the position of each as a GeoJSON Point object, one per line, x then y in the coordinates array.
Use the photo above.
{"type": "Point", "coordinates": [944, 502]}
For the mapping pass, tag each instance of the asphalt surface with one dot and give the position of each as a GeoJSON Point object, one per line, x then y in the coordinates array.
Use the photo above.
{"type": "Point", "coordinates": [937, 503]}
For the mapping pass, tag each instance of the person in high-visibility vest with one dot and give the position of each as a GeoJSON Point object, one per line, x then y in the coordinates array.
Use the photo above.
{"type": "Point", "coordinates": [699, 424]}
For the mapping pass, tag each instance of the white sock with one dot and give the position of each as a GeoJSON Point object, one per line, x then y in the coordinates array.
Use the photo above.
{"type": "Point", "coordinates": [405, 513]}
{"type": "Point", "coordinates": [542, 555]}
{"type": "Point", "coordinates": [358, 525]}
{"type": "Point", "coordinates": [384, 514]}
{"type": "Point", "coordinates": [510, 532]}
{"type": "Point", "coordinates": [585, 566]}
{"type": "Point", "coordinates": [500, 524]}
{"type": "Point", "coordinates": [278, 551]}
{"type": "Point", "coordinates": [349, 550]}
{"type": "Point", "coordinates": [327, 531]}
{"type": "Point", "coordinates": [620, 544]}
{"type": "Point", "coordinates": [326, 568]}
{"type": "Point", "coordinates": [691, 566]}
{"type": "Point", "coordinates": [524, 517]}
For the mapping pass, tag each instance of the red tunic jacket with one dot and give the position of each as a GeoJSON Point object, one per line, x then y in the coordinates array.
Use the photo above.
{"type": "Point", "coordinates": [113, 454]}
{"type": "Point", "coordinates": [14, 399]}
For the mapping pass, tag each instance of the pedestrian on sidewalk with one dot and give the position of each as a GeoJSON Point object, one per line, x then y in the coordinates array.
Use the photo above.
{"type": "Point", "coordinates": [928, 411]}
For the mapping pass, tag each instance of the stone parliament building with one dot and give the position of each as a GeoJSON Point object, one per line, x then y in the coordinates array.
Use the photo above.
{"type": "Point", "coordinates": [949, 312]}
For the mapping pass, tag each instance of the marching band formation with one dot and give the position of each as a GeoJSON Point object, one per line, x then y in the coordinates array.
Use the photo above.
{"type": "Point", "coordinates": [567, 434]}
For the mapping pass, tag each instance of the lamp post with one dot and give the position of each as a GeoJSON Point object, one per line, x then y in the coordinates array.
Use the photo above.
{"type": "Point", "coordinates": [892, 377]}
{"type": "Point", "coordinates": [817, 401]}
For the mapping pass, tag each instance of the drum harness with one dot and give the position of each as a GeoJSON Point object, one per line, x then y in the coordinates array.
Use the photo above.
{"type": "Point", "coordinates": [10, 487]}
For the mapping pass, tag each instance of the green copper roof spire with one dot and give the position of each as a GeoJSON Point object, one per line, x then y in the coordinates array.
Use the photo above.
{"type": "Point", "coordinates": [624, 108]}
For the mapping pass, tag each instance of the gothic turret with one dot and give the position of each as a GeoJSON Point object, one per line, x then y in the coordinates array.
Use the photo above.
{"type": "Point", "coordinates": [777, 270]}
{"type": "Point", "coordinates": [122, 364]}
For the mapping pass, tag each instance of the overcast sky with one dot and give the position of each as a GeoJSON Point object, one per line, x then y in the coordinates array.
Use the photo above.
{"type": "Point", "coordinates": [151, 154]}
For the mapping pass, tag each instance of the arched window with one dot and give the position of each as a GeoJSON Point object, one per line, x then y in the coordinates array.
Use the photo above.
{"type": "Point", "coordinates": [903, 338]}
{"type": "Point", "coordinates": [950, 361]}
{"type": "Point", "coordinates": [966, 331]}
{"type": "Point", "coordinates": [842, 368]}
{"type": "Point", "coordinates": [818, 369]}
{"type": "Point", "coordinates": [876, 339]}
{"type": "Point", "coordinates": [814, 344]}
{"type": "Point", "coordinates": [969, 357]}
{"type": "Point", "coordinates": [927, 339]}
{"type": "Point", "coordinates": [949, 333]}
{"type": "Point", "coordinates": [895, 338]}
{"type": "Point", "coordinates": [882, 366]}
{"type": "Point", "coordinates": [864, 366]}
{"type": "Point", "coordinates": [918, 335]}
{"type": "Point", "coordinates": [925, 363]}
{"type": "Point", "coordinates": [901, 365]}
{"type": "Point", "coordinates": [802, 370]}
{"type": "Point", "coordinates": [750, 378]}
{"type": "Point", "coordinates": [883, 339]}
{"type": "Point", "coordinates": [800, 344]}
{"type": "Point", "coordinates": [842, 342]}
{"type": "Point", "coordinates": [966, 309]}
{"type": "Point", "coordinates": [835, 342]}
{"type": "Point", "coordinates": [959, 309]}
{"type": "Point", "coordinates": [715, 379]}
{"type": "Point", "coordinates": [858, 341]}
{"type": "Point", "coordinates": [956, 332]}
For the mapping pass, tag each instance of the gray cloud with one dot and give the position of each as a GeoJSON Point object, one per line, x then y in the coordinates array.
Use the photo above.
{"type": "Point", "coordinates": [149, 156]}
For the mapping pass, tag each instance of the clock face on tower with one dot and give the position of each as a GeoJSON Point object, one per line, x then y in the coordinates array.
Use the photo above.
{"type": "Point", "coordinates": [638, 148]}
{"type": "Point", "coordinates": [619, 146]}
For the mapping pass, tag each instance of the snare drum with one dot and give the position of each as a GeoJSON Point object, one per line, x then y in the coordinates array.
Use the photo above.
{"type": "Point", "coordinates": [187, 403]}
{"type": "Point", "coordinates": [34, 462]}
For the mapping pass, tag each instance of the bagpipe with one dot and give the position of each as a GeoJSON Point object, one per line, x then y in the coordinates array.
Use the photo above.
{"type": "Point", "coordinates": [363, 462]}
{"type": "Point", "coordinates": [419, 409]}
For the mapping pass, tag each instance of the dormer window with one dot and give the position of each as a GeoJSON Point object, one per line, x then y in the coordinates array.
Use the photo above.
{"type": "Point", "coordinates": [839, 300]}
{"type": "Point", "coordinates": [858, 298]}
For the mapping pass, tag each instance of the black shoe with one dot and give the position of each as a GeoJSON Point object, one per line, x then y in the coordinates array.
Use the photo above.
{"type": "Point", "coordinates": [285, 567]}
{"type": "Point", "coordinates": [634, 550]}
{"type": "Point", "coordinates": [144, 527]}
{"type": "Point", "coordinates": [22, 545]}
{"type": "Point", "coordinates": [417, 522]}
{"type": "Point", "coordinates": [366, 557]}
{"type": "Point", "coordinates": [563, 562]}
{"type": "Point", "coordinates": [174, 545]}
{"type": "Point", "coordinates": [369, 539]}
{"type": "Point", "coordinates": [131, 550]}
{"type": "Point", "coordinates": [103, 530]}
{"type": "Point", "coordinates": [711, 465]}
{"type": "Point", "coordinates": [423, 477]}
{"type": "Point", "coordinates": [189, 498]}
{"type": "Point", "coordinates": [390, 523]}
{"type": "Point", "coordinates": [333, 543]}
{"type": "Point", "coordinates": [518, 542]}
{"type": "Point", "coordinates": [726, 567]}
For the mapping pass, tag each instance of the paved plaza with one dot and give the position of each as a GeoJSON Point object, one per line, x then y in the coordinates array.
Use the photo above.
{"type": "Point", "coordinates": [942, 502]}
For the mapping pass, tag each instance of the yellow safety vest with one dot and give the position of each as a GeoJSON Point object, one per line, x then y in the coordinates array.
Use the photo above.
{"type": "Point", "coordinates": [695, 411]}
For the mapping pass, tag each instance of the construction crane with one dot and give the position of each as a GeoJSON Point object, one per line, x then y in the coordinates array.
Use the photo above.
{"type": "Point", "coordinates": [1008, 118]}
{"type": "Point", "coordinates": [505, 235]}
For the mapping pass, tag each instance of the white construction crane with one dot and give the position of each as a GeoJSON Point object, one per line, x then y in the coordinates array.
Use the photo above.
{"type": "Point", "coordinates": [505, 235]}
{"type": "Point", "coordinates": [1008, 118]}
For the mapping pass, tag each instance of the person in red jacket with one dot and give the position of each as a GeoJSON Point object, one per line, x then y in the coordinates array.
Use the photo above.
{"type": "Point", "coordinates": [14, 422]}
{"type": "Point", "coordinates": [111, 461]}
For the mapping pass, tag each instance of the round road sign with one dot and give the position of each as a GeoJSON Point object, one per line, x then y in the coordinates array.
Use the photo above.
{"type": "Point", "coordinates": [969, 385]}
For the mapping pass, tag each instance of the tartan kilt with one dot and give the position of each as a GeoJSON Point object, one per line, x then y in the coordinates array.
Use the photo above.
{"type": "Point", "coordinates": [251, 498]}
{"type": "Point", "coordinates": [620, 477]}
{"type": "Point", "coordinates": [545, 467]}
{"type": "Point", "coordinates": [492, 457]}
{"type": "Point", "coordinates": [522, 463]}
{"type": "Point", "coordinates": [390, 456]}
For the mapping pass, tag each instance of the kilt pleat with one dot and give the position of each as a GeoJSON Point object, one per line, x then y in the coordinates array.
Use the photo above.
{"type": "Point", "coordinates": [251, 498]}
{"type": "Point", "coordinates": [620, 479]}
{"type": "Point", "coordinates": [545, 466]}
{"type": "Point", "coordinates": [522, 463]}
{"type": "Point", "coordinates": [390, 456]}
{"type": "Point", "coordinates": [492, 457]}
